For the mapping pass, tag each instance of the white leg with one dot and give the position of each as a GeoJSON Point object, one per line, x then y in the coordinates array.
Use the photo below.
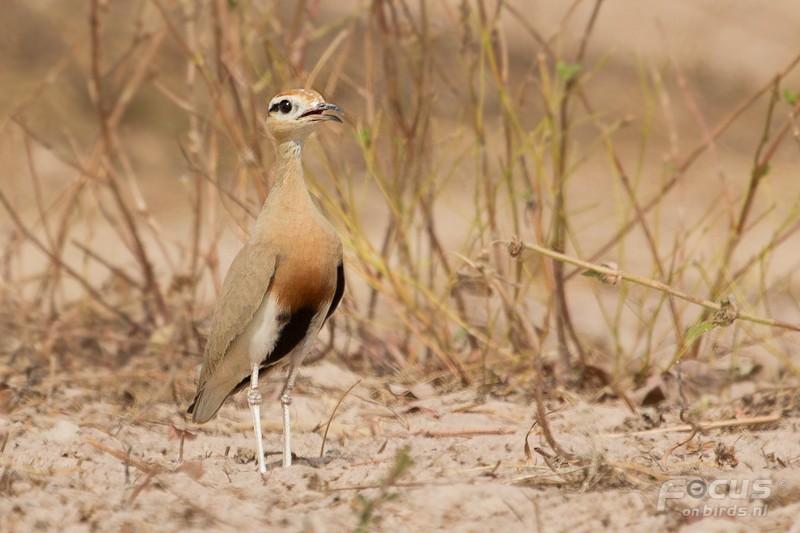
{"type": "Point", "coordinates": [254, 399]}
{"type": "Point", "coordinates": [286, 401]}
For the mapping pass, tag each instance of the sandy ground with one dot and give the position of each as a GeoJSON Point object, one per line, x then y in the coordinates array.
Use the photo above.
{"type": "Point", "coordinates": [107, 447]}
{"type": "Point", "coordinates": [102, 452]}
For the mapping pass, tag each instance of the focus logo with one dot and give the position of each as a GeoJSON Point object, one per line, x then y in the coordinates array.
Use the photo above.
{"type": "Point", "coordinates": [749, 496]}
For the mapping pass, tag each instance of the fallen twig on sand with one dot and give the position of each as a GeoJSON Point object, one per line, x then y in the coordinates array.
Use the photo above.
{"type": "Point", "coordinates": [755, 420]}
{"type": "Point", "coordinates": [470, 432]}
{"type": "Point", "coordinates": [147, 468]}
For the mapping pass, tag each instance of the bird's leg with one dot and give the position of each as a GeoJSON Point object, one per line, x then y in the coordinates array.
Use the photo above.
{"type": "Point", "coordinates": [254, 399]}
{"type": "Point", "coordinates": [286, 401]}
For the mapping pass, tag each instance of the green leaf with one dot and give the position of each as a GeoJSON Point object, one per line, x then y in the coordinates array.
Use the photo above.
{"type": "Point", "coordinates": [791, 96]}
{"type": "Point", "coordinates": [567, 71]}
{"type": "Point", "coordinates": [593, 274]}
{"type": "Point", "coordinates": [760, 171]}
{"type": "Point", "coordinates": [699, 329]}
{"type": "Point", "coordinates": [364, 136]}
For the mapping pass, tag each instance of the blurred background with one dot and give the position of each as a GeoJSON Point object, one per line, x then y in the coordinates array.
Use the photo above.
{"type": "Point", "coordinates": [132, 160]}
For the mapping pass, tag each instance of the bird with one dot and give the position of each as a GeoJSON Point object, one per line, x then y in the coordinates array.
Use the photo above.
{"type": "Point", "coordinates": [284, 283]}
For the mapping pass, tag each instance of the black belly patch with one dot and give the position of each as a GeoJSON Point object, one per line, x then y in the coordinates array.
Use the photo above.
{"type": "Point", "coordinates": [295, 328]}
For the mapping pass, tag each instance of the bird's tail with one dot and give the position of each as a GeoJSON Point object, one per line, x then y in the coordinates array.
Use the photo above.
{"type": "Point", "coordinates": [208, 401]}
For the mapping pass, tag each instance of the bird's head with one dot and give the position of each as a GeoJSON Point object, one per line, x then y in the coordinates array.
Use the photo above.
{"type": "Point", "coordinates": [293, 114]}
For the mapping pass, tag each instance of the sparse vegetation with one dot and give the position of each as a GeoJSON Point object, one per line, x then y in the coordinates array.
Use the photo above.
{"type": "Point", "coordinates": [482, 150]}
{"type": "Point", "coordinates": [369, 507]}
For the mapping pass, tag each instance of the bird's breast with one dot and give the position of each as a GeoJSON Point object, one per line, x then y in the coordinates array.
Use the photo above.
{"type": "Point", "coordinates": [307, 252]}
{"type": "Point", "coordinates": [305, 278]}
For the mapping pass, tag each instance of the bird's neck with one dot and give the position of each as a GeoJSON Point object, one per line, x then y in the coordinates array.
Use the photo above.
{"type": "Point", "coordinates": [289, 194]}
{"type": "Point", "coordinates": [289, 164]}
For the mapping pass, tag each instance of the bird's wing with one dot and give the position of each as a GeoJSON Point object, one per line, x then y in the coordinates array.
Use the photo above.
{"type": "Point", "coordinates": [243, 290]}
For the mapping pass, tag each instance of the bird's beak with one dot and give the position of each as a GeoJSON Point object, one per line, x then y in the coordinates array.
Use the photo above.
{"type": "Point", "coordinates": [317, 113]}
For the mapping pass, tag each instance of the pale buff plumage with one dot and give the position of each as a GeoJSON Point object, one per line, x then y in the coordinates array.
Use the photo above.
{"type": "Point", "coordinates": [282, 285]}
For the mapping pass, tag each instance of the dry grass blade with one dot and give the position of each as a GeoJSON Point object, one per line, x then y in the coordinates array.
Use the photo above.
{"type": "Point", "coordinates": [330, 419]}
{"type": "Point", "coordinates": [135, 161]}
{"type": "Point", "coordinates": [612, 273]}
{"type": "Point", "coordinates": [90, 289]}
{"type": "Point", "coordinates": [147, 468]}
{"type": "Point", "coordinates": [701, 426]}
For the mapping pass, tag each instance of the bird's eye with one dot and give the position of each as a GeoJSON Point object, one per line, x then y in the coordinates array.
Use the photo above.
{"type": "Point", "coordinates": [285, 106]}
